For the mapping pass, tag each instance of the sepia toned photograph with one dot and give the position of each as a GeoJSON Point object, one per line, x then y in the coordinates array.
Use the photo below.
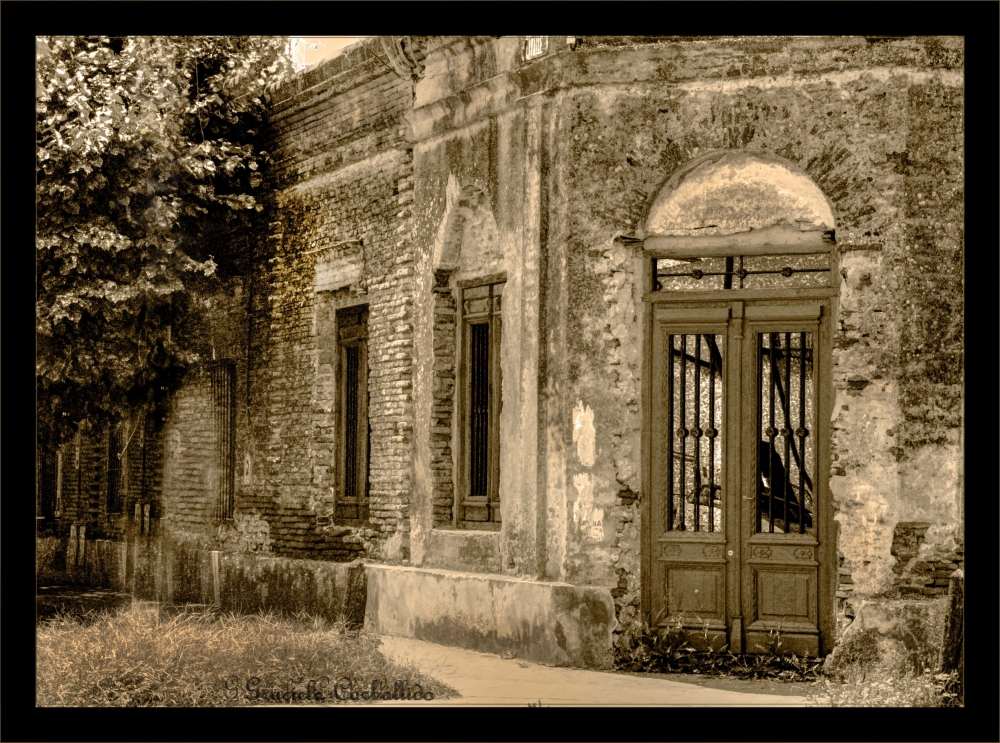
{"type": "Point", "coordinates": [500, 371]}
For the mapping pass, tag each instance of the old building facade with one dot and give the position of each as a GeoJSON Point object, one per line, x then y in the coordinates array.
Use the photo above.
{"type": "Point", "coordinates": [552, 334]}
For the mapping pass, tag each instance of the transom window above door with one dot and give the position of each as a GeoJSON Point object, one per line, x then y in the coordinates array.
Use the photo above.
{"type": "Point", "coordinates": [741, 272]}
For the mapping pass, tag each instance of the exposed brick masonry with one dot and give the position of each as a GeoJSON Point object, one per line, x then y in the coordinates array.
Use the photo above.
{"type": "Point", "coordinates": [345, 177]}
{"type": "Point", "coordinates": [443, 406]}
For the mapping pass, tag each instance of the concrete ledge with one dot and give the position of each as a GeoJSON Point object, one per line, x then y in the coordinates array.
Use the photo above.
{"type": "Point", "coordinates": [334, 590]}
{"type": "Point", "coordinates": [553, 623]}
{"type": "Point", "coordinates": [462, 549]}
{"type": "Point", "coordinates": [182, 572]}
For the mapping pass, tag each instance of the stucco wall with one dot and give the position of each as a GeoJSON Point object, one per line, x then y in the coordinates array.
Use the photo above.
{"type": "Point", "coordinates": [495, 157]}
{"type": "Point", "coordinates": [878, 127]}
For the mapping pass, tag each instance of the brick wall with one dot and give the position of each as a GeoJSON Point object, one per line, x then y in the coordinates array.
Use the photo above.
{"type": "Point", "coordinates": [923, 572]}
{"type": "Point", "coordinates": [886, 150]}
{"type": "Point", "coordinates": [151, 471]}
{"type": "Point", "coordinates": [83, 483]}
{"type": "Point", "coordinates": [342, 179]}
{"type": "Point", "coordinates": [84, 479]}
{"type": "Point", "coordinates": [191, 468]}
{"type": "Point", "coordinates": [340, 113]}
{"type": "Point", "coordinates": [442, 409]}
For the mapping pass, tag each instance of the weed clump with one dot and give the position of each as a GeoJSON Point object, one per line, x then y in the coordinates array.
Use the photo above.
{"type": "Point", "coordinates": [882, 690]}
{"type": "Point", "coordinates": [670, 651]}
{"type": "Point", "coordinates": [870, 672]}
{"type": "Point", "coordinates": [872, 680]}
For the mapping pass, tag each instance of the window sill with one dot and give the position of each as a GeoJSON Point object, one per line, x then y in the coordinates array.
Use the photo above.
{"type": "Point", "coordinates": [478, 526]}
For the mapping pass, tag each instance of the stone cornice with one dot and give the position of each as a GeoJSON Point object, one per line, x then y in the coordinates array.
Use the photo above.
{"type": "Point", "coordinates": [676, 63]}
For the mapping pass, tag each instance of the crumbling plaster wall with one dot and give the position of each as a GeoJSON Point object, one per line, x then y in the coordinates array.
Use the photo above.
{"type": "Point", "coordinates": [486, 157]}
{"type": "Point", "coordinates": [878, 127]}
{"type": "Point", "coordinates": [477, 142]}
{"type": "Point", "coordinates": [568, 151]}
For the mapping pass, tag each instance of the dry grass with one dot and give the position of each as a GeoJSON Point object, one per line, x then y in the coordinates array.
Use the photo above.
{"type": "Point", "coordinates": [911, 690]}
{"type": "Point", "coordinates": [139, 658]}
{"type": "Point", "coordinates": [870, 673]}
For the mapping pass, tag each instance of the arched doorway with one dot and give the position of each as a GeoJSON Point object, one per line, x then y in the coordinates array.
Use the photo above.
{"type": "Point", "coordinates": [739, 533]}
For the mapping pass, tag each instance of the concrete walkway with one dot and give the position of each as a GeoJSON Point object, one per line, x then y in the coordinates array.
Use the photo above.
{"type": "Point", "coordinates": [488, 680]}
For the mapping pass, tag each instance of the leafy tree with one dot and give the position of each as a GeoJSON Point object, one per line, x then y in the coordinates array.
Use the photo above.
{"type": "Point", "coordinates": [147, 166]}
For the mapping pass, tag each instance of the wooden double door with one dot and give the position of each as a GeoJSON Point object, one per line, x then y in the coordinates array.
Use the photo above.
{"type": "Point", "coordinates": [739, 539]}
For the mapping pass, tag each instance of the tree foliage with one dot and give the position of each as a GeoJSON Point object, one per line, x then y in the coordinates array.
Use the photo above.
{"type": "Point", "coordinates": [148, 163]}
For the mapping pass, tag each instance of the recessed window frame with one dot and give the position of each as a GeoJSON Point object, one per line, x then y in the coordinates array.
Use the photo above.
{"type": "Point", "coordinates": [114, 503]}
{"type": "Point", "coordinates": [481, 511]}
{"type": "Point", "coordinates": [352, 502]}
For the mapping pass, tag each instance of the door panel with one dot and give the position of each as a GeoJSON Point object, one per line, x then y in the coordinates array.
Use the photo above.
{"type": "Point", "coordinates": [689, 437]}
{"type": "Point", "coordinates": [780, 572]}
{"type": "Point", "coordinates": [697, 590]}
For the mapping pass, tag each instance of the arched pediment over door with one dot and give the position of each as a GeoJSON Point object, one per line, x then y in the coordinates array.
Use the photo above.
{"type": "Point", "coordinates": [732, 191]}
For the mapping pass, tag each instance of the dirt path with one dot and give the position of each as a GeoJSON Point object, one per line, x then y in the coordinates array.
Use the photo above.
{"type": "Point", "coordinates": [484, 679]}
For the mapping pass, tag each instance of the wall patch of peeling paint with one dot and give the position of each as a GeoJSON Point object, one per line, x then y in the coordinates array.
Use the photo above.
{"type": "Point", "coordinates": [584, 434]}
{"type": "Point", "coordinates": [587, 520]}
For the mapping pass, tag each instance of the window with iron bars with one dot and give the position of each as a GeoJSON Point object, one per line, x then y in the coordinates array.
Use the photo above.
{"type": "Point", "coordinates": [479, 505]}
{"type": "Point", "coordinates": [352, 502]}
{"type": "Point", "coordinates": [535, 46]}
{"type": "Point", "coordinates": [49, 471]}
{"type": "Point", "coordinates": [223, 377]}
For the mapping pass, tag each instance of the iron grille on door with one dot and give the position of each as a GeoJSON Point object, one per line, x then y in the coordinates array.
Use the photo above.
{"type": "Point", "coordinates": [355, 430]}
{"type": "Point", "coordinates": [784, 448]}
{"type": "Point", "coordinates": [223, 397]}
{"type": "Point", "coordinates": [740, 272]}
{"type": "Point", "coordinates": [482, 383]}
{"type": "Point", "coordinates": [694, 432]}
